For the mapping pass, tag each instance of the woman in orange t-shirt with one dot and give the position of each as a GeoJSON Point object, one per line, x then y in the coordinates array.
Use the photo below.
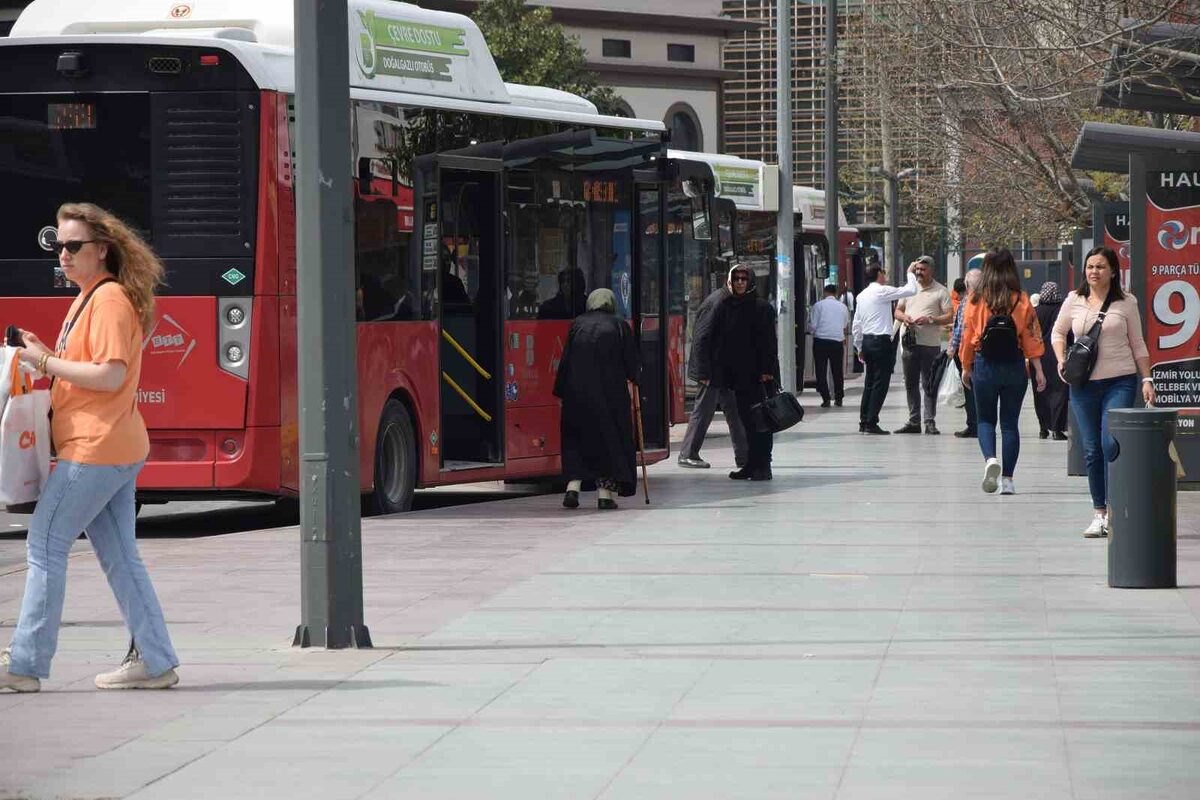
{"type": "Point", "coordinates": [101, 443]}
{"type": "Point", "coordinates": [1000, 336]}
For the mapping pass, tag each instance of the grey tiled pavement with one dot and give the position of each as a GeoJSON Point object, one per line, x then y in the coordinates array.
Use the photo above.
{"type": "Point", "coordinates": [868, 625]}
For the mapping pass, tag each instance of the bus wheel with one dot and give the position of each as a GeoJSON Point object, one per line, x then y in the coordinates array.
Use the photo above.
{"type": "Point", "coordinates": [395, 461]}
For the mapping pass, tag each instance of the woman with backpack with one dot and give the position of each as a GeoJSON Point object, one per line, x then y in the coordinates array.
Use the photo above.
{"type": "Point", "coordinates": [1000, 336]}
{"type": "Point", "coordinates": [1122, 362]}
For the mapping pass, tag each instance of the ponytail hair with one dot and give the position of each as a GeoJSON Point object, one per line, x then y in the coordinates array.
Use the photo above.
{"type": "Point", "coordinates": [129, 259]}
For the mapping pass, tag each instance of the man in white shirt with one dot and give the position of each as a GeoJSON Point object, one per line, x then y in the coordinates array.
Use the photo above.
{"type": "Point", "coordinates": [873, 340]}
{"type": "Point", "coordinates": [828, 320]}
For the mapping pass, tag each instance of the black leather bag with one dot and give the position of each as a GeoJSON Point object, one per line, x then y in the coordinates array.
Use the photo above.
{"type": "Point", "coordinates": [1081, 356]}
{"type": "Point", "coordinates": [778, 411]}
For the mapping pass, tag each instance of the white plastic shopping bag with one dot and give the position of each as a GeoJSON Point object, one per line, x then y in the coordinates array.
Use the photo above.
{"type": "Point", "coordinates": [8, 355]}
{"type": "Point", "coordinates": [950, 390]}
{"type": "Point", "coordinates": [24, 440]}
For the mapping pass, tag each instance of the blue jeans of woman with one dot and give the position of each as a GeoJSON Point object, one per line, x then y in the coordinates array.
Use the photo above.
{"type": "Point", "coordinates": [99, 500]}
{"type": "Point", "coordinates": [1091, 404]}
{"type": "Point", "coordinates": [1002, 384]}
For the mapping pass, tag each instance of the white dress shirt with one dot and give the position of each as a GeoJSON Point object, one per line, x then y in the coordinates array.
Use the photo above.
{"type": "Point", "coordinates": [828, 319]}
{"type": "Point", "coordinates": [873, 311]}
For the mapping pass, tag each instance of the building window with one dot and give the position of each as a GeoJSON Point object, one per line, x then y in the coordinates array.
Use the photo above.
{"type": "Point", "coordinates": [684, 124]}
{"type": "Point", "coordinates": [681, 52]}
{"type": "Point", "coordinates": [618, 48]}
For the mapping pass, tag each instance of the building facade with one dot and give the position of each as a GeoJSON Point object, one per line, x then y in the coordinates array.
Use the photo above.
{"type": "Point", "coordinates": [664, 63]}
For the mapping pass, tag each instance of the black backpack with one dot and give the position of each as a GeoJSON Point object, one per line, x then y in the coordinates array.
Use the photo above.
{"type": "Point", "coordinates": [1000, 341]}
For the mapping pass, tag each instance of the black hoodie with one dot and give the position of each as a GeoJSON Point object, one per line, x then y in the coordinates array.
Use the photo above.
{"type": "Point", "coordinates": [744, 344]}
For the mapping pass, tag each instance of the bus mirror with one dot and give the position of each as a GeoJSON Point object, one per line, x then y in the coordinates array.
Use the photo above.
{"type": "Point", "coordinates": [701, 230]}
{"type": "Point", "coordinates": [823, 271]}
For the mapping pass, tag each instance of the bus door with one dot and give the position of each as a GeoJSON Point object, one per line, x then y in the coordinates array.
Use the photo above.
{"type": "Point", "coordinates": [470, 322]}
{"type": "Point", "coordinates": [650, 281]}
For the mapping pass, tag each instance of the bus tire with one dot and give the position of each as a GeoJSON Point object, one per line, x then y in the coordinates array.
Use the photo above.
{"type": "Point", "coordinates": [395, 477]}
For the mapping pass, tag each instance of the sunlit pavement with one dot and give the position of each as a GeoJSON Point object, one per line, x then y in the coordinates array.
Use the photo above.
{"type": "Point", "coordinates": [867, 625]}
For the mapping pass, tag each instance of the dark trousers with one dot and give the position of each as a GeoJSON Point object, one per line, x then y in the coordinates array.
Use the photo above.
{"type": "Point", "coordinates": [701, 417]}
{"type": "Point", "coordinates": [761, 444]}
{"type": "Point", "coordinates": [880, 360]}
{"type": "Point", "coordinates": [1051, 405]}
{"type": "Point", "coordinates": [918, 381]}
{"type": "Point", "coordinates": [969, 396]}
{"type": "Point", "coordinates": [999, 385]}
{"type": "Point", "coordinates": [829, 355]}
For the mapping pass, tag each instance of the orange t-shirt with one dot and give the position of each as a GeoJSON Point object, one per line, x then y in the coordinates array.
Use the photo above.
{"type": "Point", "coordinates": [1029, 331]}
{"type": "Point", "coordinates": [101, 428]}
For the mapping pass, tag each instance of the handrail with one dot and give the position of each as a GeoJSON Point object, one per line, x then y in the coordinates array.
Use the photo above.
{"type": "Point", "coordinates": [486, 375]}
{"type": "Point", "coordinates": [467, 398]}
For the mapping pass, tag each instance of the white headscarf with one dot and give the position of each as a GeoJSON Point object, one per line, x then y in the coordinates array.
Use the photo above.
{"type": "Point", "coordinates": [602, 300]}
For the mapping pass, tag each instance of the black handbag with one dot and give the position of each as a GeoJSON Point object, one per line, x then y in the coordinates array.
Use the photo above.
{"type": "Point", "coordinates": [938, 371]}
{"type": "Point", "coordinates": [778, 411]}
{"type": "Point", "coordinates": [1081, 356]}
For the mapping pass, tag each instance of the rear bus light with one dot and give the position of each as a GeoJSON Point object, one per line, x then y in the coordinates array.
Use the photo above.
{"type": "Point", "coordinates": [210, 61]}
{"type": "Point", "coordinates": [178, 449]}
{"type": "Point", "coordinates": [234, 315]}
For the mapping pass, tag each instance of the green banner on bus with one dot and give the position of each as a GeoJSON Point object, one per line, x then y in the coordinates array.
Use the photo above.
{"type": "Point", "coordinates": [396, 48]}
{"type": "Point", "coordinates": [737, 181]}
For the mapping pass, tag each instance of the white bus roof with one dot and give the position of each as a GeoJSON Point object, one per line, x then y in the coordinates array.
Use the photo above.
{"type": "Point", "coordinates": [398, 52]}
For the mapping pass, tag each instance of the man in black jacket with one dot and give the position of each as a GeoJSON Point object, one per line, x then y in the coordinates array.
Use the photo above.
{"type": "Point", "coordinates": [700, 370]}
{"type": "Point", "coordinates": [746, 359]}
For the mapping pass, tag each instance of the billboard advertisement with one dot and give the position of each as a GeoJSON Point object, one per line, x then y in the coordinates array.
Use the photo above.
{"type": "Point", "coordinates": [1112, 220]}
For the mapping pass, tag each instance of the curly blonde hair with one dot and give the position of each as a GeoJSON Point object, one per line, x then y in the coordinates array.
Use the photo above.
{"type": "Point", "coordinates": [129, 259]}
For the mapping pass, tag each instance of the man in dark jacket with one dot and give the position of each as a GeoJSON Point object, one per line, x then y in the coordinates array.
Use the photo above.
{"type": "Point", "coordinates": [746, 359]}
{"type": "Point", "coordinates": [700, 370]}
{"type": "Point", "coordinates": [599, 360]}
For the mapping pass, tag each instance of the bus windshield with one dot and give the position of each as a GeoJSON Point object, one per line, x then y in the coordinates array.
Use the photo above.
{"type": "Point", "coordinates": [64, 148]}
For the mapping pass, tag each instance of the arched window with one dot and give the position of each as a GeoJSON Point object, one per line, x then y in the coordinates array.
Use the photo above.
{"type": "Point", "coordinates": [684, 125]}
{"type": "Point", "coordinates": [623, 109]}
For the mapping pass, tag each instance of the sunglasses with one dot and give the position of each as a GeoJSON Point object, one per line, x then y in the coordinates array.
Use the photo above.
{"type": "Point", "coordinates": [740, 279]}
{"type": "Point", "coordinates": [72, 246]}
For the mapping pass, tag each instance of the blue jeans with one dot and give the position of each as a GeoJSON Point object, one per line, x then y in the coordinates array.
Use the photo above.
{"type": "Point", "coordinates": [1091, 403]}
{"type": "Point", "coordinates": [100, 500]}
{"type": "Point", "coordinates": [1003, 383]}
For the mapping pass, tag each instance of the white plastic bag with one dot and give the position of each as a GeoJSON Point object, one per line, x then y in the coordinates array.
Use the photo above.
{"type": "Point", "coordinates": [8, 355]}
{"type": "Point", "coordinates": [24, 440]}
{"type": "Point", "coordinates": [950, 390]}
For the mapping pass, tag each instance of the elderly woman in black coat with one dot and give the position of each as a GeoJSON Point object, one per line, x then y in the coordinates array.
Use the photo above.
{"type": "Point", "coordinates": [598, 362]}
{"type": "Point", "coordinates": [1051, 404]}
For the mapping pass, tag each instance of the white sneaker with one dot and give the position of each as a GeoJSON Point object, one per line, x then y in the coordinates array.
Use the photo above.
{"type": "Point", "coordinates": [1098, 529]}
{"type": "Point", "coordinates": [132, 674]}
{"type": "Point", "coordinates": [991, 475]}
{"type": "Point", "coordinates": [1007, 487]}
{"type": "Point", "coordinates": [18, 683]}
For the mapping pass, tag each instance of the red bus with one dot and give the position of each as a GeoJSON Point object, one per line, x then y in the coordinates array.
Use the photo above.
{"type": "Point", "coordinates": [484, 212]}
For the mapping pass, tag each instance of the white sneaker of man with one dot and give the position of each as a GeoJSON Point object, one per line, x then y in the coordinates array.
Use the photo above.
{"type": "Point", "coordinates": [1098, 529]}
{"type": "Point", "coordinates": [991, 475]}
{"type": "Point", "coordinates": [132, 674]}
{"type": "Point", "coordinates": [1007, 486]}
{"type": "Point", "coordinates": [18, 683]}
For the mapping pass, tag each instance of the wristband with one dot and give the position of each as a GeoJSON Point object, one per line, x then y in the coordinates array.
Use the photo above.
{"type": "Point", "coordinates": [1148, 380]}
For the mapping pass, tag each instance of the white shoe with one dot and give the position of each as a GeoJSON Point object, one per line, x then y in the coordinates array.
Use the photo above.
{"type": "Point", "coordinates": [18, 683]}
{"type": "Point", "coordinates": [1098, 529]}
{"type": "Point", "coordinates": [991, 475]}
{"type": "Point", "coordinates": [1007, 487]}
{"type": "Point", "coordinates": [132, 674]}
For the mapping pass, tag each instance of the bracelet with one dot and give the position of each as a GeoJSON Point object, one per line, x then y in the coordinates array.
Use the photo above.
{"type": "Point", "coordinates": [1148, 380]}
{"type": "Point", "coordinates": [41, 367]}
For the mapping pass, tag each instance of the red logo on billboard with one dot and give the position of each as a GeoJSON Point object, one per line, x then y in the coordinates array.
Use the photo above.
{"type": "Point", "coordinates": [181, 11]}
{"type": "Point", "coordinates": [169, 338]}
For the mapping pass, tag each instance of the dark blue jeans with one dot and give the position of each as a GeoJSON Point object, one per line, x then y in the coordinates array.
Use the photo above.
{"type": "Point", "coordinates": [1003, 384]}
{"type": "Point", "coordinates": [1091, 403]}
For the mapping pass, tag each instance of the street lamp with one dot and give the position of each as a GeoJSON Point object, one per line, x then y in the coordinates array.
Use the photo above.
{"type": "Point", "coordinates": [893, 202]}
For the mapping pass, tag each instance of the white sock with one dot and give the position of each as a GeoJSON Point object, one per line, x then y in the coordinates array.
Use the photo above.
{"type": "Point", "coordinates": [574, 486]}
{"type": "Point", "coordinates": [605, 494]}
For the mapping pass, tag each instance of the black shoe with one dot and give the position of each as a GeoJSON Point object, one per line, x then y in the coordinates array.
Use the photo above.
{"type": "Point", "coordinates": [693, 463]}
{"type": "Point", "coordinates": [931, 429]}
{"type": "Point", "coordinates": [966, 433]}
{"type": "Point", "coordinates": [760, 475]}
{"type": "Point", "coordinates": [1043, 434]}
{"type": "Point", "coordinates": [571, 500]}
{"type": "Point", "coordinates": [838, 402]}
{"type": "Point", "coordinates": [1058, 436]}
{"type": "Point", "coordinates": [909, 428]}
{"type": "Point", "coordinates": [825, 403]}
{"type": "Point", "coordinates": [606, 504]}
{"type": "Point", "coordinates": [875, 430]}
{"type": "Point", "coordinates": [742, 474]}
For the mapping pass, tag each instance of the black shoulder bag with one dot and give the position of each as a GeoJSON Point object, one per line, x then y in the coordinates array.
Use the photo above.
{"type": "Point", "coordinates": [1081, 357]}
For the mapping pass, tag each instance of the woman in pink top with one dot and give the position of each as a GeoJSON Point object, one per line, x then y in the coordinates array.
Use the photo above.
{"type": "Point", "coordinates": [1121, 359]}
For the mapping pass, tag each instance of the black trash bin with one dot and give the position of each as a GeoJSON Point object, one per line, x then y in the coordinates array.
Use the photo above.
{"type": "Point", "coordinates": [1141, 499]}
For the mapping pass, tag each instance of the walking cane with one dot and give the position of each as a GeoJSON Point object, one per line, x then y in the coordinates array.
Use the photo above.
{"type": "Point", "coordinates": [641, 442]}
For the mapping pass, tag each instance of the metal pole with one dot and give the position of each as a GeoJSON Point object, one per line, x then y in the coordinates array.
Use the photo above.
{"type": "Point", "coordinates": [894, 268]}
{"type": "Point", "coordinates": [832, 217]}
{"type": "Point", "coordinates": [785, 292]}
{"type": "Point", "coordinates": [331, 587]}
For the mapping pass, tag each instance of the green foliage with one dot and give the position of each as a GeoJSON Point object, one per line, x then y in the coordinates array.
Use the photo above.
{"type": "Point", "coordinates": [529, 48]}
